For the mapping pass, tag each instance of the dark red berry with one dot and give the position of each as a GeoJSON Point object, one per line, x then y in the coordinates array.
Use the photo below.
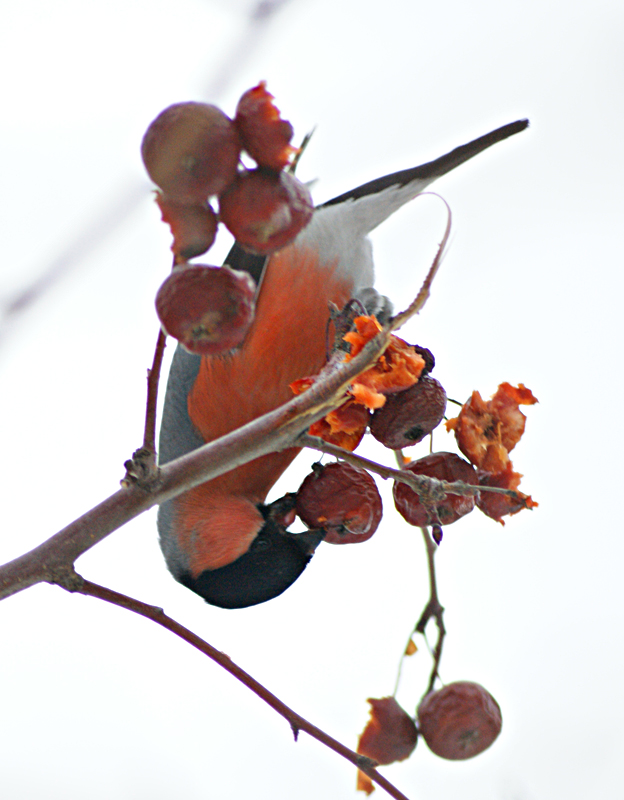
{"type": "Point", "coordinates": [265, 210]}
{"type": "Point", "coordinates": [264, 134]}
{"type": "Point", "coordinates": [408, 416]}
{"type": "Point", "coordinates": [445, 467]}
{"type": "Point", "coordinates": [193, 227]}
{"type": "Point", "coordinates": [390, 734]}
{"type": "Point", "coordinates": [191, 151]}
{"type": "Point", "coordinates": [459, 721]}
{"type": "Point", "coordinates": [343, 500]}
{"type": "Point", "coordinates": [207, 309]}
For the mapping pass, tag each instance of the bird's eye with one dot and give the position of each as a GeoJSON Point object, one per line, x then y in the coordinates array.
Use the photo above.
{"type": "Point", "coordinates": [260, 543]}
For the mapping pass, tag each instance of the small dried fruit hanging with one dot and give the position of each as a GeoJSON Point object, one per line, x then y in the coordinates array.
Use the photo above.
{"type": "Point", "coordinates": [207, 309]}
{"type": "Point", "coordinates": [459, 721]}
{"type": "Point", "coordinates": [343, 500]}
{"type": "Point", "coordinates": [265, 210]}
{"type": "Point", "coordinates": [444, 467]}
{"type": "Point", "coordinates": [264, 134]}
{"type": "Point", "coordinates": [191, 151]}
{"type": "Point", "coordinates": [408, 416]}
{"type": "Point", "coordinates": [390, 735]}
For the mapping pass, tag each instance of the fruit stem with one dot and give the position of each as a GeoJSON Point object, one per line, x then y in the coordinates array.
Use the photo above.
{"type": "Point", "coordinates": [433, 609]}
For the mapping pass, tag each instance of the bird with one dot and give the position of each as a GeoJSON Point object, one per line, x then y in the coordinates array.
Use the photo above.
{"type": "Point", "coordinates": [220, 539]}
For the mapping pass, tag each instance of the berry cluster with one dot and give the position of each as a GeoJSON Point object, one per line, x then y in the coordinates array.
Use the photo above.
{"type": "Point", "coordinates": [462, 719]}
{"type": "Point", "coordinates": [457, 722]}
{"type": "Point", "coordinates": [192, 153]}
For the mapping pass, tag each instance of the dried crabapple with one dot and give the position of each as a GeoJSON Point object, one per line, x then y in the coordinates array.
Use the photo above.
{"type": "Point", "coordinates": [265, 210]}
{"type": "Point", "coordinates": [488, 430]}
{"type": "Point", "coordinates": [264, 134]}
{"type": "Point", "coordinates": [390, 735]}
{"type": "Point", "coordinates": [193, 227]}
{"type": "Point", "coordinates": [191, 151]}
{"type": "Point", "coordinates": [459, 721]}
{"type": "Point", "coordinates": [343, 500]}
{"type": "Point", "coordinates": [495, 505]}
{"type": "Point", "coordinates": [207, 309]}
{"type": "Point", "coordinates": [408, 416]}
{"type": "Point", "coordinates": [444, 467]}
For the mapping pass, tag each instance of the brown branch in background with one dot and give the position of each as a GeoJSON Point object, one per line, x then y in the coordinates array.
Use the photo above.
{"type": "Point", "coordinates": [75, 583]}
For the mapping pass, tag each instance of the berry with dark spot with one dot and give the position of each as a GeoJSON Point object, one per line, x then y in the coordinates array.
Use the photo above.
{"type": "Point", "coordinates": [408, 416]}
{"type": "Point", "coordinates": [343, 500]}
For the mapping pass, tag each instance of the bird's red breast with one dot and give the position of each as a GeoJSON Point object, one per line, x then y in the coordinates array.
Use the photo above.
{"type": "Point", "coordinates": [218, 520]}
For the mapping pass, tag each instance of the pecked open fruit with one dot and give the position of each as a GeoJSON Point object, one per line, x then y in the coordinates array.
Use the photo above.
{"type": "Point", "coordinates": [265, 210]}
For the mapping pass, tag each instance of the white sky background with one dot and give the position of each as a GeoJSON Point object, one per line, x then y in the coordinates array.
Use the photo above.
{"type": "Point", "coordinates": [97, 703]}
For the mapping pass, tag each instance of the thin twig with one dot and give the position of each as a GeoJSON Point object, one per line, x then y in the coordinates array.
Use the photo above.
{"type": "Point", "coordinates": [425, 290]}
{"type": "Point", "coordinates": [153, 379]}
{"type": "Point", "coordinates": [433, 489]}
{"type": "Point", "coordinates": [433, 609]}
{"type": "Point", "coordinates": [296, 721]}
{"type": "Point", "coordinates": [141, 469]}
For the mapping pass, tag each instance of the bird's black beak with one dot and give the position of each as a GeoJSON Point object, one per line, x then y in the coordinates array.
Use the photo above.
{"type": "Point", "coordinates": [309, 540]}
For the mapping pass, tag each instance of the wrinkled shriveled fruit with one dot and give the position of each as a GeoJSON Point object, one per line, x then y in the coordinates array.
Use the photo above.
{"type": "Point", "coordinates": [444, 467]}
{"type": "Point", "coordinates": [390, 735]}
{"type": "Point", "coordinates": [207, 309]}
{"type": "Point", "coordinates": [264, 134]}
{"type": "Point", "coordinates": [397, 368]}
{"type": "Point", "coordinates": [265, 210]}
{"type": "Point", "coordinates": [459, 721]}
{"type": "Point", "coordinates": [341, 499]}
{"type": "Point", "coordinates": [408, 416]}
{"type": "Point", "coordinates": [191, 151]}
{"type": "Point", "coordinates": [496, 505]}
{"type": "Point", "coordinates": [345, 426]}
{"type": "Point", "coordinates": [193, 227]}
{"type": "Point", "coordinates": [487, 431]}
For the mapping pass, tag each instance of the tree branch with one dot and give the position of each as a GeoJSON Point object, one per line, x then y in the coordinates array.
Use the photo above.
{"type": "Point", "coordinates": [75, 583]}
{"type": "Point", "coordinates": [274, 431]}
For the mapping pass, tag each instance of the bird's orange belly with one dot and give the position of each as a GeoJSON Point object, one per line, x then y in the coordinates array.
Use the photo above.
{"type": "Point", "coordinates": [288, 340]}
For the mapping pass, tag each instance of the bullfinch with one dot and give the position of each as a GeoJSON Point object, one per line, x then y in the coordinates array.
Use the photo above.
{"type": "Point", "coordinates": [220, 539]}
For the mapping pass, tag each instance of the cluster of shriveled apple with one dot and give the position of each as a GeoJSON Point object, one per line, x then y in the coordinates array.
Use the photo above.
{"type": "Point", "coordinates": [192, 152]}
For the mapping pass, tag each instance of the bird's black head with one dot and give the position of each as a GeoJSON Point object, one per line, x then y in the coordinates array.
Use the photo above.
{"type": "Point", "coordinates": [273, 562]}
